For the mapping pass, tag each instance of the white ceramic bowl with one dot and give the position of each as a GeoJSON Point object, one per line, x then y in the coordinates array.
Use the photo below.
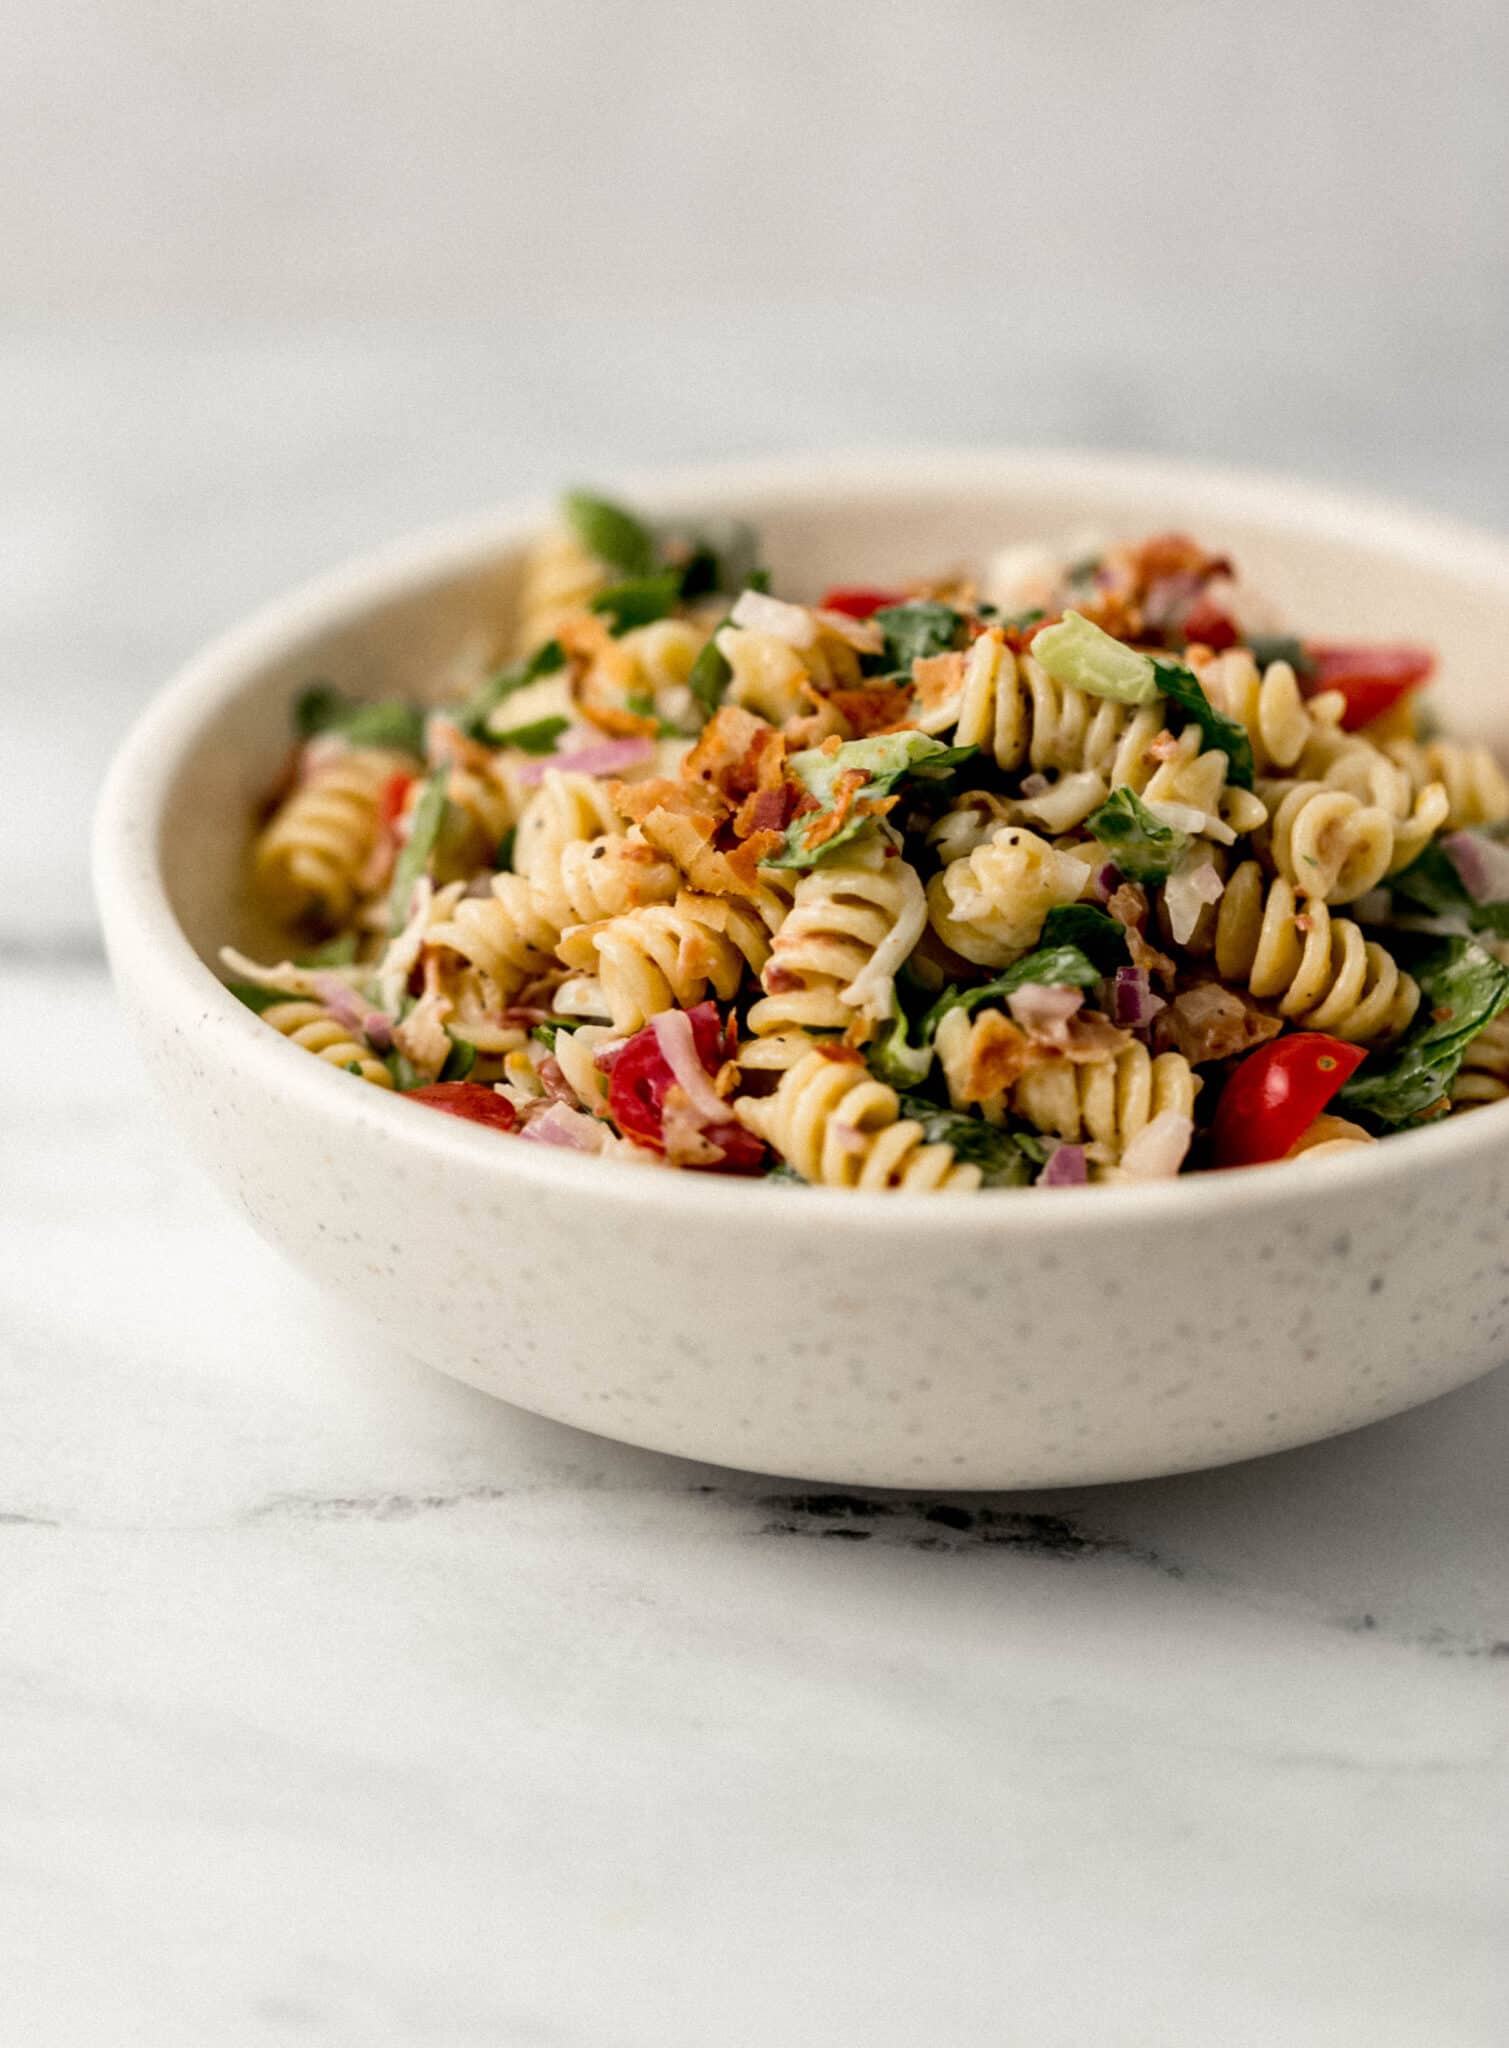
{"type": "Point", "coordinates": [1018, 1339]}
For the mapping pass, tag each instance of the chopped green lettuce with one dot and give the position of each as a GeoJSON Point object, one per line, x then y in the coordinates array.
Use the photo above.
{"type": "Point", "coordinates": [1183, 689]}
{"type": "Point", "coordinates": [1142, 846]}
{"type": "Point", "coordinates": [414, 857]}
{"type": "Point", "coordinates": [1266, 648]}
{"type": "Point", "coordinates": [1002, 1162]}
{"type": "Point", "coordinates": [610, 532]}
{"type": "Point", "coordinates": [1081, 656]}
{"type": "Point", "coordinates": [256, 997]}
{"type": "Point", "coordinates": [392, 722]}
{"type": "Point", "coordinates": [1094, 931]}
{"type": "Point", "coordinates": [914, 631]}
{"type": "Point", "coordinates": [1433, 883]}
{"type": "Point", "coordinates": [886, 759]}
{"type": "Point", "coordinates": [460, 1060]}
{"type": "Point", "coordinates": [473, 715]}
{"type": "Point", "coordinates": [1462, 988]}
{"type": "Point", "coordinates": [639, 602]}
{"type": "Point", "coordinates": [538, 737]}
{"type": "Point", "coordinates": [1056, 966]}
{"type": "Point", "coordinates": [899, 1055]}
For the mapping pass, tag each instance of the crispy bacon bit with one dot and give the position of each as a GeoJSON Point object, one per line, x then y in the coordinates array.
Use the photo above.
{"type": "Point", "coordinates": [1212, 1022]}
{"type": "Point", "coordinates": [1128, 905]}
{"type": "Point", "coordinates": [845, 793]}
{"type": "Point", "coordinates": [1092, 1036]}
{"type": "Point", "coordinates": [620, 724]}
{"type": "Point", "coordinates": [996, 1055]}
{"type": "Point", "coordinates": [876, 710]}
{"type": "Point", "coordinates": [831, 744]}
{"type": "Point", "coordinates": [767, 810]}
{"type": "Point", "coordinates": [936, 678]}
{"type": "Point", "coordinates": [843, 1055]}
{"type": "Point", "coordinates": [724, 744]}
{"type": "Point", "coordinates": [1163, 748]}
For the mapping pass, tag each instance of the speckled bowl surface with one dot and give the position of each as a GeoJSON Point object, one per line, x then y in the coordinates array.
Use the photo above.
{"type": "Point", "coordinates": [1021, 1338]}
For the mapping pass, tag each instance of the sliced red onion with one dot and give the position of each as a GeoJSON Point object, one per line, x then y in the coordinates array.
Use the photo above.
{"type": "Point", "coordinates": [348, 1007]}
{"type": "Point", "coordinates": [678, 1048]}
{"type": "Point", "coordinates": [1044, 1009]}
{"type": "Point", "coordinates": [567, 1128]}
{"type": "Point", "coordinates": [602, 757]}
{"type": "Point", "coordinates": [1105, 883]}
{"type": "Point", "coordinates": [1066, 1169]}
{"type": "Point", "coordinates": [1157, 1152]}
{"type": "Point", "coordinates": [759, 613]}
{"type": "Point", "coordinates": [1133, 1003]}
{"type": "Point", "coordinates": [1483, 865]}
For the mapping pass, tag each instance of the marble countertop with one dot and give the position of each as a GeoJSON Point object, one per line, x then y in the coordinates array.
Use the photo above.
{"type": "Point", "coordinates": [340, 1705]}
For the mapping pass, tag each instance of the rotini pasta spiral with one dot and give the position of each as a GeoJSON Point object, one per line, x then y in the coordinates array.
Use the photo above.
{"type": "Point", "coordinates": [668, 955]}
{"type": "Point", "coordinates": [601, 877]}
{"type": "Point", "coordinates": [1280, 722]}
{"type": "Point", "coordinates": [312, 856]}
{"type": "Point", "coordinates": [1014, 710]}
{"type": "Point", "coordinates": [311, 1026]}
{"type": "Point", "coordinates": [1320, 971]}
{"type": "Point", "coordinates": [841, 1128]}
{"type": "Point", "coordinates": [1107, 1101]}
{"type": "Point", "coordinates": [504, 934]}
{"type": "Point", "coordinates": [1484, 1075]}
{"type": "Point", "coordinates": [1325, 841]}
{"type": "Point", "coordinates": [835, 956]}
{"type": "Point", "coordinates": [990, 905]}
{"type": "Point", "coordinates": [1477, 789]}
{"type": "Point", "coordinates": [567, 807]}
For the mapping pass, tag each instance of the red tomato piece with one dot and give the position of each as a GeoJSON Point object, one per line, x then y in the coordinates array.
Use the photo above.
{"type": "Point", "coordinates": [395, 794]}
{"type": "Point", "coordinates": [469, 1100]}
{"type": "Point", "coordinates": [1371, 678]}
{"type": "Point", "coordinates": [1276, 1093]}
{"type": "Point", "coordinates": [856, 602]}
{"type": "Point", "coordinates": [640, 1077]}
{"type": "Point", "coordinates": [1208, 624]}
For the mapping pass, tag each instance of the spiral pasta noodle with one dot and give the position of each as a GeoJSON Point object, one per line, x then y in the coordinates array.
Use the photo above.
{"type": "Point", "coordinates": [311, 1026]}
{"type": "Point", "coordinates": [568, 806]}
{"type": "Point", "coordinates": [1319, 970]}
{"type": "Point", "coordinates": [834, 957]}
{"type": "Point", "coordinates": [560, 577]}
{"type": "Point", "coordinates": [841, 1128]}
{"type": "Point", "coordinates": [1325, 841]}
{"type": "Point", "coordinates": [1484, 1073]}
{"type": "Point", "coordinates": [1477, 789]}
{"type": "Point", "coordinates": [504, 935]}
{"type": "Point", "coordinates": [668, 955]}
{"type": "Point", "coordinates": [312, 856]}
{"type": "Point", "coordinates": [1107, 1101]}
{"type": "Point", "coordinates": [989, 906]}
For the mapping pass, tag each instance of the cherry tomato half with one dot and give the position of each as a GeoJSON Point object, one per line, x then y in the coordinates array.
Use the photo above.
{"type": "Point", "coordinates": [468, 1100]}
{"type": "Point", "coordinates": [1276, 1093]}
{"type": "Point", "coordinates": [1371, 678]}
{"type": "Point", "coordinates": [1207, 623]}
{"type": "Point", "coordinates": [640, 1077]}
{"type": "Point", "coordinates": [857, 603]}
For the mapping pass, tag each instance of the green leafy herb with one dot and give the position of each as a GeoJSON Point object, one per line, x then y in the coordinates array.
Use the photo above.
{"type": "Point", "coordinates": [710, 673]}
{"type": "Point", "coordinates": [1033, 1146]}
{"type": "Point", "coordinates": [899, 1055]}
{"type": "Point", "coordinates": [424, 830]}
{"type": "Point", "coordinates": [393, 722]}
{"type": "Point", "coordinates": [1183, 689]}
{"type": "Point", "coordinates": [885, 760]}
{"type": "Point", "coordinates": [1434, 883]}
{"type": "Point", "coordinates": [640, 602]}
{"type": "Point", "coordinates": [473, 715]}
{"type": "Point", "coordinates": [1081, 656]}
{"type": "Point", "coordinates": [503, 858]}
{"type": "Point", "coordinates": [549, 1029]}
{"type": "Point", "coordinates": [610, 532]}
{"type": "Point", "coordinates": [1095, 932]}
{"type": "Point", "coordinates": [538, 737]}
{"type": "Point", "coordinates": [1270, 647]}
{"type": "Point", "coordinates": [257, 998]}
{"type": "Point", "coordinates": [995, 1151]}
{"type": "Point", "coordinates": [459, 1061]}
{"type": "Point", "coordinates": [1462, 988]}
{"type": "Point", "coordinates": [1056, 966]}
{"type": "Point", "coordinates": [334, 953]}
{"type": "Point", "coordinates": [710, 676]}
{"type": "Point", "coordinates": [719, 554]}
{"type": "Point", "coordinates": [914, 631]}
{"type": "Point", "coordinates": [1140, 844]}
{"type": "Point", "coordinates": [1018, 622]}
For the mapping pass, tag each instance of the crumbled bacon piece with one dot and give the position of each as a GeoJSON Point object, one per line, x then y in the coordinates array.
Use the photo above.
{"type": "Point", "coordinates": [841, 1054]}
{"type": "Point", "coordinates": [879, 709]}
{"type": "Point", "coordinates": [996, 1056]}
{"type": "Point", "coordinates": [936, 678]}
{"type": "Point", "coordinates": [1212, 1022]}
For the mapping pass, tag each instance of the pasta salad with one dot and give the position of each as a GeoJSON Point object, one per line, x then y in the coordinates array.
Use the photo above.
{"type": "Point", "coordinates": [1063, 868]}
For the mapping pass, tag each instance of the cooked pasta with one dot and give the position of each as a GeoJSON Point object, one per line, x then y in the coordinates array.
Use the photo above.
{"type": "Point", "coordinates": [909, 893]}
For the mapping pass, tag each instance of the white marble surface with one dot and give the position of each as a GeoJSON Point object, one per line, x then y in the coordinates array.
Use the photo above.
{"type": "Point", "coordinates": [341, 1706]}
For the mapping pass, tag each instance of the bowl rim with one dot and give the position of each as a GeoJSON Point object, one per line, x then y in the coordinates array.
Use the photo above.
{"type": "Point", "coordinates": [137, 917]}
